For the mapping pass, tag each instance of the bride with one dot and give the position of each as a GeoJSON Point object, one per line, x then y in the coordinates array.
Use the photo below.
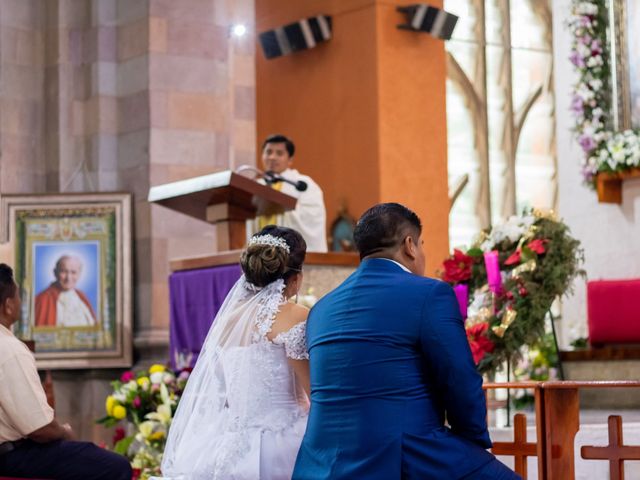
{"type": "Point", "coordinates": [244, 410]}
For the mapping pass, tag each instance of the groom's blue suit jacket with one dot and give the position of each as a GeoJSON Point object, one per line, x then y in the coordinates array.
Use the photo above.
{"type": "Point", "coordinates": [389, 359]}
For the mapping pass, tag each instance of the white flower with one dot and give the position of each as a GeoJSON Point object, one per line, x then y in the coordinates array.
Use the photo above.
{"type": "Point", "coordinates": [595, 61]}
{"type": "Point", "coordinates": [596, 84]}
{"type": "Point", "coordinates": [587, 8]}
{"type": "Point", "coordinates": [156, 377]}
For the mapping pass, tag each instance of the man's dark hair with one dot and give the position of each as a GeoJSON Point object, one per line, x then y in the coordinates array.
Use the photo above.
{"type": "Point", "coordinates": [7, 283]}
{"type": "Point", "coordinates": [384, 226]}
{"type": "Point", "coordinates": [291, 148]}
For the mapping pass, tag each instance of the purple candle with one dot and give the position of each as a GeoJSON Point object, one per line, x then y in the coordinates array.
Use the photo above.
{"type": "Point", "coordinates": [494, 278]}
{"type": "Point", "coordinates": [462, 294]}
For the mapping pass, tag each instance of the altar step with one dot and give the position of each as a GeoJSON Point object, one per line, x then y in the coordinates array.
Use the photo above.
{"type": "Point", "coordinates": [613, 362]}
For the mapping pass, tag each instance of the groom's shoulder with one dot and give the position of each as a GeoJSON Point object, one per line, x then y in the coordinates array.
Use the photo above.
{"type": "Point", "coordinates": [427, 282]}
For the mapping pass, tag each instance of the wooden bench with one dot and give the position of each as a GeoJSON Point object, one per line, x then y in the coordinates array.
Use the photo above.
{"type": "Point", "coordinates": [557, 410]}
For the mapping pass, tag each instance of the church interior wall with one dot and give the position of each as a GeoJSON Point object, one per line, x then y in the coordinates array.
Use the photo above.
{"type": "Point", "coordinates": [609, 233]}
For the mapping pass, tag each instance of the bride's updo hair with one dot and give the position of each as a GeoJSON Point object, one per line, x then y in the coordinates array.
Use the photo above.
{"type": "Point", "coordinates": [266, 259]}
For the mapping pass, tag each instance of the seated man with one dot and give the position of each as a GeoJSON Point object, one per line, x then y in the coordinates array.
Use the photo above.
{"type": "Point", "coordinates": [32, 442]}
{"type": "Point", "coordinates": [309, 216]}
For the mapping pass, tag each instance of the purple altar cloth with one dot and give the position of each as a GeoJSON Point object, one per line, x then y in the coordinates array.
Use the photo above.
{"type": "Point", "coordinates": [195, 298]}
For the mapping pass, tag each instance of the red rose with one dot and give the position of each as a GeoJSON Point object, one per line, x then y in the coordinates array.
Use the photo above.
{"type": "Point", "coordinates": [514, 258]}
{"type": "Point", "coordinates": [478, 341]}
{"type": "Point", "coordinates": [537, 245]}
{"type": "Point", "coordinates": [457, 268]}
{"type": "Point", "coordinates": [118, 435]}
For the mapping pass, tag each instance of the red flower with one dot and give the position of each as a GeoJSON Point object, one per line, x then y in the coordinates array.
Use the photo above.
{"type": "Point", "coordinates": [537, 245]}
{"type": "Point", "coordinates": [127, 376]}
{"type": "Point", "coordinates": [457, 268]}
{"type": "Point", "coordinates": [118, 435]}
{"type": "Point", "coordinates": [478, 341]}
{"type": "Point", "coordinates": [514, 258]}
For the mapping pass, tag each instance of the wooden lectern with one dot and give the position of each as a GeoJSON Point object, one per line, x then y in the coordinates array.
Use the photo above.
{"type": "Point", "coordinates": [225, 199]}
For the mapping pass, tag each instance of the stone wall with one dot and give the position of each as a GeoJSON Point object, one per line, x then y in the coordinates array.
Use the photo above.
{"type": "Point", "coordinates": [121, 95]}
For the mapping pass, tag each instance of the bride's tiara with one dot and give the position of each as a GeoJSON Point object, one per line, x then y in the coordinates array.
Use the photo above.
{"type": "Point", "coordinates": [270, 240]}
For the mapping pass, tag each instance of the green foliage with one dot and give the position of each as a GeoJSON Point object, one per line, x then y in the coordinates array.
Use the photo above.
{"type": "Point", "coordinates": [580, 343]}
{"type": "Point", "coordinates": [122, 446]}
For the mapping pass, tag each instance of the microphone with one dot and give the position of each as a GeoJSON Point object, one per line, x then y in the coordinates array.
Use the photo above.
{"type": "Point", "coordinates": [272, 177]}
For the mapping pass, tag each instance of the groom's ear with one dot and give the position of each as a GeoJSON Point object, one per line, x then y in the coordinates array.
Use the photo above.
{"type": "Point", "coordinates": [409, 247]}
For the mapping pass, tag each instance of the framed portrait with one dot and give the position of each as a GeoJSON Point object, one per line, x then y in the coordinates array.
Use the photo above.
{"type": "Point", "coordinates": [73, 267]}
{"type": "Point", "coordinates": [624, 28]}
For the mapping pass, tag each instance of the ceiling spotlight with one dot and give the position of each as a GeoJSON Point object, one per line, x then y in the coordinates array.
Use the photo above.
{"type": "Point", "coordinates": [238, 30]}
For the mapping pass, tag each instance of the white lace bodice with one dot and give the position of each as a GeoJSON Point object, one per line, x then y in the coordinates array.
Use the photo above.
{"type": "Point", "coordinates": [261, 387]}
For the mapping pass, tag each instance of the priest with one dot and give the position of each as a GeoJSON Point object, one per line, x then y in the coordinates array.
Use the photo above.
{"type": "Point", "coordinates": [309, 216]}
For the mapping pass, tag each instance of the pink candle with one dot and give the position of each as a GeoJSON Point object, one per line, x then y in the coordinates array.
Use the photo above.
{"type": "Point", "coordinates": [494, 278]}
{"type": "Point", "coordinates": [462, 294]}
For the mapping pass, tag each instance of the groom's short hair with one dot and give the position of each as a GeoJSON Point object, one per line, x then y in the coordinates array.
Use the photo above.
{"type": "Point", "coordinates": [383, 227]}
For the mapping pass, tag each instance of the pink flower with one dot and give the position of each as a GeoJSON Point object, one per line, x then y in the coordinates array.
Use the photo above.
{"type": "Point", "coordinates": [587, 143]}
{"type": "Point", "coordinates": [137, 402]}
{"type": "Point", "coordinates": [127, 376]}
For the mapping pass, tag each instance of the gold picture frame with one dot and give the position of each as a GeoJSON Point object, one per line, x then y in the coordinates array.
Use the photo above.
{"type": "Point", "coordinates": [72, 264]}
{"type": "Point", "coordinates": [624, 40]}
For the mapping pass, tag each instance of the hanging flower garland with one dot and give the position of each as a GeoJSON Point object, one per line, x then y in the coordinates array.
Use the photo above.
{"type": "Point", "coordinates": [506, 282]}
{"type": "Point", "coordinates": [604, 150]}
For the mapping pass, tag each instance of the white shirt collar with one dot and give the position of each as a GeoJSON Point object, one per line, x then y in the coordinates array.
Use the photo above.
{"type": "Point", "coordinates": [5, 331]}
{"type": "Point", "coordinates": [397, 263]}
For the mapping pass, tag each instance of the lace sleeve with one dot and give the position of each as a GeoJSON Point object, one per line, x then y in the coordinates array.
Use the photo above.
{"type": "Point", "coordinates": [294, 341]}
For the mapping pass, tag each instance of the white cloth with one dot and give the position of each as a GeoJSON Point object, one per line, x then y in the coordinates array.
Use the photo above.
{"type": "Point", "coordinates": [71, 311]}
{"type": "Point", "coordinates": [397, 263]}
{"type": "Point", "coordinates": [309, 217]}
{"type": "Point", "coordinates": [241, 415]}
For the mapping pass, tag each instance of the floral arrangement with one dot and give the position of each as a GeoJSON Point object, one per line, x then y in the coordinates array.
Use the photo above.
{"type": "Point", "coordinates": [538, 363]}
{"type": "Point", "coordinates": [604, 150]}
{"type": "Point", "coordinates": [146, 401]}
{"type": "Point", "coordinates": [506, 282]}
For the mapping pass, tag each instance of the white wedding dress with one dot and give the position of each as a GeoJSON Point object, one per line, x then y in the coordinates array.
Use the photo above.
{"type": "Point", "coordinates": [242, 415]}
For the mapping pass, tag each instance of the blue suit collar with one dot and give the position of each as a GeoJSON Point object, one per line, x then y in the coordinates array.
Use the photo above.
{"type": "Point", "coordinates": [380, 264]}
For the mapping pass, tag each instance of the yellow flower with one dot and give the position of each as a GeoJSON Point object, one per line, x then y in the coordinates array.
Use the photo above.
{"type": "Point", "coordinates": [157, 368]}
{"type": "Point", "coordinates": [109, 404]}
{"type": "Point", "coordinates": [119, 412]}
{"type": "Point", "coordinates": [143, 382]}
{"type": "Point", "coordinates": [159, 435]}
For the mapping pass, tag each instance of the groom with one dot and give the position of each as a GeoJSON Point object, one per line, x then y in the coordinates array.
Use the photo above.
{"type": "Point", "coordinates": [389, 362]}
